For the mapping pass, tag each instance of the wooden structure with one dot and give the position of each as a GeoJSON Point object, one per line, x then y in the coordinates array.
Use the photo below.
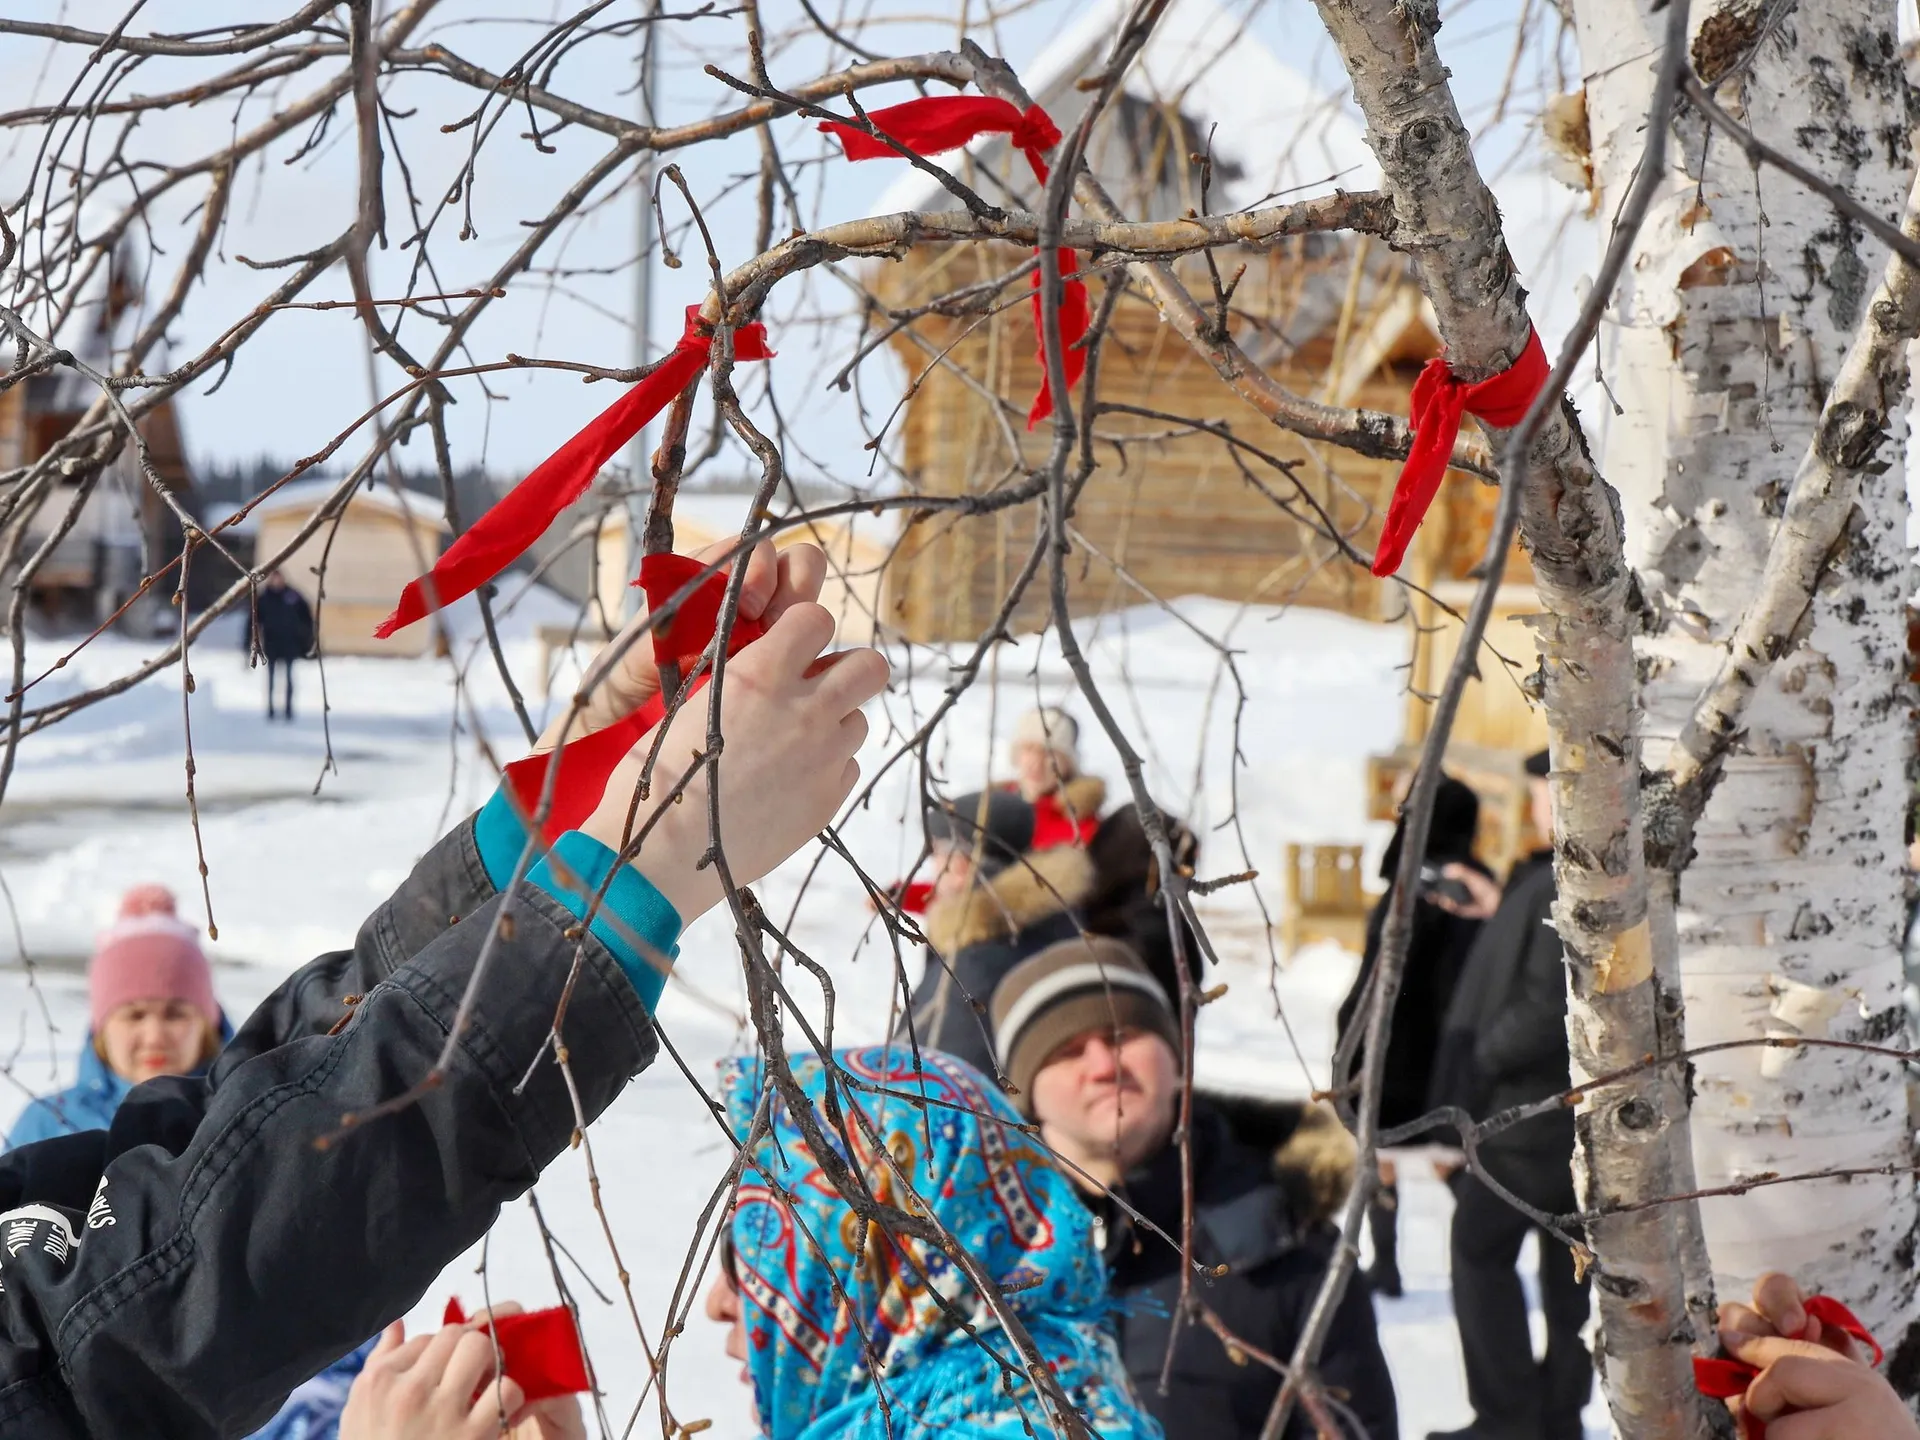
{"type": "Point", "coordinates": [1174, 506]}
{"type": "Point", "coordinates": [381, 541]}
{"type": "Point", "coordinates": [97, 564]}
{"type": "Point", "coordinates": [1324, 897]}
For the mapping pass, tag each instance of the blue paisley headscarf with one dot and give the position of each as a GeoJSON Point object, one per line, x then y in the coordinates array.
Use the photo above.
{"type": "Point", "coordinates": [1001, 1198]}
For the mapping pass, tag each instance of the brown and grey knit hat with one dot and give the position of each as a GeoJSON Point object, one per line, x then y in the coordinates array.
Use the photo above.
{"type": "Point", "coordinates": [1091, 982]}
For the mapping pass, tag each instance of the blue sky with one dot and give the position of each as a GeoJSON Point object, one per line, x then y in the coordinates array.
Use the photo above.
{"type": "Point", "coordinates": [306, 377]}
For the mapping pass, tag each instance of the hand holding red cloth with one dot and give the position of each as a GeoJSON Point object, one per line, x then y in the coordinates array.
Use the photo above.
{"type": "Point", "coordinates": [937, 124]}
{"type": "Point", "coordinates": [586, 763]}
{"type": "Point", "coordinates": [502, 535]}
{"type": "Point", "coordinates": [1440, 400]}
{"type": "Point", "coordinates": [1729, 1379]}
{"type": "Point", "coordinates": [539, 1351]}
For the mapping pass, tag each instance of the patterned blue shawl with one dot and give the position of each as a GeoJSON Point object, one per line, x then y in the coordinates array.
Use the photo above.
{"type": "Point", "coordinates": [1001, 1198]}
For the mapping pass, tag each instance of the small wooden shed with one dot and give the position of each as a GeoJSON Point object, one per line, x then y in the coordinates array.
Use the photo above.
{"type": "Point", "coordinates": [378, 543]}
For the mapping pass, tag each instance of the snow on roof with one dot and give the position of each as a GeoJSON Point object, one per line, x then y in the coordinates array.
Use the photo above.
{"type": "Point", "coordinates": [1277, 137]}
{"type": "Point", "coordinates": [307, 494]}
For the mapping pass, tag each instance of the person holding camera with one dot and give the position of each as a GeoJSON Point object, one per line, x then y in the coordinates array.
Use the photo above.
{"type": "Point", "coordinates": [1504, 1043]}
{"type": "Point", "coordinates": [1444, 926]}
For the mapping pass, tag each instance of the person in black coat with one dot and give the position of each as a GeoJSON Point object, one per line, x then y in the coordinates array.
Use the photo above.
{"type": "Point", "coordinates": [1504, 1043]}
{"type": "Point", "coordinates": [1436, 953]}
{"type": "Point", "coordinates": [285, 632]}
{"type": "Point", "coordinates": [1089, 1043]}
{"type": "Point", "coordinates": [996, 900]}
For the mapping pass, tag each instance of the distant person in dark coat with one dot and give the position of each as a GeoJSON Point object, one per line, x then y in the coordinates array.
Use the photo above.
{"type": "Point", "coordinates": [286, 634]}
{"type": "Point", "coordinates": [1436, 954]}
{"type": "Point", "coordinates": [1091, 1045]}
{"type": "Point", "coordinates": [996, 900]}
{"type": "Point", "coordinates": [1504, 1043]}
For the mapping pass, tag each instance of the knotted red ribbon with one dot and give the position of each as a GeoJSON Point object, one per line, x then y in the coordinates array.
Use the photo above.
{"type": "Point", "coordinates": [1726, 1379]}
{"type": "Point", "coordinates": [502, 535]}
{"type": "Point", "coordinates": [586, 763]}
{"type": "Point", "coordinates": [940, 123]}
{"type": "Point", "coordinates": [539, 1351]}
{"type": "Point", "coordinates": [1440, 399]}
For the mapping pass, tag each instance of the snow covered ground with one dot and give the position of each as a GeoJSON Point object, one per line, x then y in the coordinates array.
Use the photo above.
{"type": "Point", "coordinates": [96, 804]}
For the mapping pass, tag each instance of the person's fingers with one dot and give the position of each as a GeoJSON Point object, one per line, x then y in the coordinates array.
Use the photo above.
{"type": "Point", "coordinates": [470, 1367]}
{"type": "Point", "coordinates": [1795, 1375]}
{"type": "Point", "coordinates": [407, 1356]}
{"type": "Point", "coordinates": [1830, 1422]}
{"type": "Point", "coordinates": [793, 643]}
{"type": "Point", "coordinates": [499, 1398]}
{"type": "Point", "coordinates": [763, 580]}
{"type": "Point", "coordinates": [853, 732]}
{"type": "Point", "coordinates": [505, 1310]}
{"type": "Point", "coordinates": [438, 1351]}
{"type": "Point", "coordinates": [391, 1339]}
{"type": "Point", "coordinates": [855, 678]}
{"type": "Point", "coordinates": [1779, 1300]}
{"type": "Point", "coordinates": [849, 778]}
{"type": "Point", "coordinates": [802, 574]}
{"type": "Point", "coordinates": [1738, 1319]}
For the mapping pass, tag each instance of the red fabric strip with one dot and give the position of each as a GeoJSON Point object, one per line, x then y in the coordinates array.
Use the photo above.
{"type": "Point", "coordinates": [1727, 1379]}
{"type": "Point", "coordinates": [539, 1351]}
{"type": "Point", "coordinates": [1076, 316]}
{"type": "Point", "coordinates": [936, 124]}
{"type": "Point", "coordinates": [501, 536]}
{"type": "Point", "coordinates": [1440, 399]}
{"type": "Point", "coordinates": [915, 896]}
{"type": "Point", "coordinates": [1053, 827]}
{"type": "Point", "coordinates": [939, 123]}
{"type": "Point", "coordinates": [586, 763]}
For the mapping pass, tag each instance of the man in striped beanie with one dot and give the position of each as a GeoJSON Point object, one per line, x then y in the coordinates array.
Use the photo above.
{"type": "Point", "coordinates": [1089, 1040]}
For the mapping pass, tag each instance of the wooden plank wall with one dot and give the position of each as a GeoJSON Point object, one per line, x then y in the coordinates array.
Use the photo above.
{"type": "Point", "coordinates": [1171, 507]}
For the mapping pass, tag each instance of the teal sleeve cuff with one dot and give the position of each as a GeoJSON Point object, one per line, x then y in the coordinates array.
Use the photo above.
{"type": "Point", "coordinates": [641, 911]}
{"type": "Point", "coordinates": [500, 837]}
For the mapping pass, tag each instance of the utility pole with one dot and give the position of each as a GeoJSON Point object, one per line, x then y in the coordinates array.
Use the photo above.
{"type": "Point", "coordinates": [640, 486]}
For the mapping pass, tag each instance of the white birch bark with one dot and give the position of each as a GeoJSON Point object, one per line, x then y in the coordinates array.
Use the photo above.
{"type": "Point", "coordinates": [1740, 304]}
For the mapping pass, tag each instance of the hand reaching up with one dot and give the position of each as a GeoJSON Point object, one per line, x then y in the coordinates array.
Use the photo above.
{"type": "Point", "coordinates": [791, 724]}
{"type": "Point", "coordinates": [775, 583]}
{"type": "Point", "coordinates": [442, 1387]}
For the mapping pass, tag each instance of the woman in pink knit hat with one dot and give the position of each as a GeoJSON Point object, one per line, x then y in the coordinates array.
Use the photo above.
{"type": "Point", "coordinates": [152, 1013]}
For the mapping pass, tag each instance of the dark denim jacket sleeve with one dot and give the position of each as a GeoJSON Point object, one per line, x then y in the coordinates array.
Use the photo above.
{"type": "Point", "coordinates": [236, 1240]}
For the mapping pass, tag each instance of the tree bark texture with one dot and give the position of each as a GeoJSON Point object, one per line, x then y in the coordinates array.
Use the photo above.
{"type": "Point", "coordinates": [1731, 328]}
{"type": "Point", "coordinates": [1570, 521]}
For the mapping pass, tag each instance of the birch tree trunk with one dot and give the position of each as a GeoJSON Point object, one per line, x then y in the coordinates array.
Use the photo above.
{"type": "Point", "coordinates": [1732, 323]}
{"type": "Point", "coordinates": [1618, 1013]}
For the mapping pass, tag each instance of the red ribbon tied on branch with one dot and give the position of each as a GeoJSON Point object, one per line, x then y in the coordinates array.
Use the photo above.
{"type": "Point", "coordinates": [1726, 1379]}
{"type": "Point", "coordinates": [502, 535]}
{"type": "Point", "coordinates": [940, 123]}
{"type": "Point", "coordinates": [539, 1351]}
{"type": "Point", "coordinates": [586, 763]}
{"type": "Point", "coordinates": [1440, 399]}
